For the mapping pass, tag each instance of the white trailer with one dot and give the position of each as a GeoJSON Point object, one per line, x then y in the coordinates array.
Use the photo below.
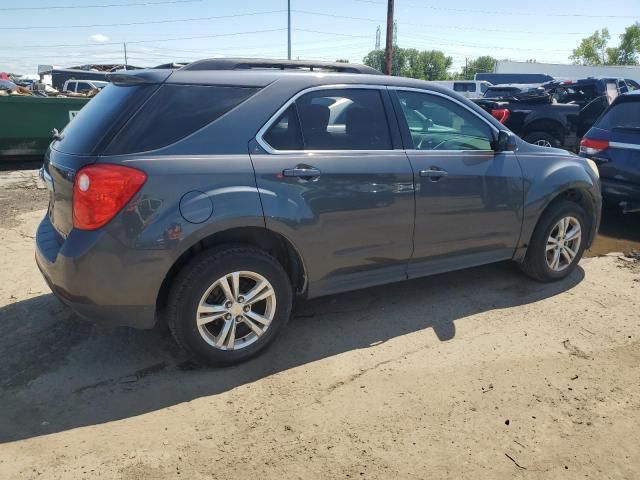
{"type": "Point", "coordinates": [558, 70]}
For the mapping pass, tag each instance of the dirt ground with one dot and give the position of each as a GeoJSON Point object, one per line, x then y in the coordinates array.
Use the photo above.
{"type": "Point", "coordinates": [475, 374]}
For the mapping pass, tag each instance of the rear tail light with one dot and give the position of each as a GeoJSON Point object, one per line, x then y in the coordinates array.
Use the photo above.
{"type": "Point", "coordinates": [101, 191]}
{"type": "Point", "coordinates": [501, 114]}
{"type": "Point", "coordinates": [591, 146]}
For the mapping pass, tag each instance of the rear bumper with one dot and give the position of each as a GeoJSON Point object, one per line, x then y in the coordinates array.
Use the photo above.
{"type": "Point", "coordinates": [624, 194]}
{"type": "Point", "coordinates": [85, 272]}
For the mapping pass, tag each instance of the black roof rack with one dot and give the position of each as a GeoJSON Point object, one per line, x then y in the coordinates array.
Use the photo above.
{"type": "Point", "coordinates": [251, 63]}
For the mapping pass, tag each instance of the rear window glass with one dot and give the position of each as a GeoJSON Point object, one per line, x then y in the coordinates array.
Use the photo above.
{"type": "Point", "coordinates": [624, 115]}
{"type": "Point", "coordinates": [100, 117]}
{"type": "Point", "coordinates": [174, 112]}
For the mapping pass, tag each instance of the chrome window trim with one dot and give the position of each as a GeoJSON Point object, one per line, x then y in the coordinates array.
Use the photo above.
{"type": "Point", "coordinates": [269, 149]}
{"type": "Point", "coordinates": [454, 100]}
{"type": "Point", "coordinates": [629, 146]}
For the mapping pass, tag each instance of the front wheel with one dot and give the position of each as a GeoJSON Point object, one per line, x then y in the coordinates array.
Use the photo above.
{"type": "Point", "coordinates": [542, 139]}
{"type": "Point", "coordinates": [558, 242]}
{"type": "Point", "coordinates": [227, 305]}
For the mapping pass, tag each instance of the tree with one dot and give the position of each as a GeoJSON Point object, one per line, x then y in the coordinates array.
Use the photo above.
{"type": "Point", "coordinates": [434, 64]}
{"type": "Point", "coordinates": [593, 50]}
{"type": "Point", "coordinates": [483, 64]}
{"type": "Point", "coordinates": [409, 62]}
{"type": "Point", "coordinates": [628, 52]}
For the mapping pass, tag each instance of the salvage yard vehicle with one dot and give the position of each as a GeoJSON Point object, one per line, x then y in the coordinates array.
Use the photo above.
{"type": "Point", "coordinates": [211, 195]}
{"type": "Point", "coordinates": [614, 144]}
{"type": "Point", "coordinates": [466, 88]}
{"type": "Point", "coordinates": [83, 86]}
{"type": "Point", "coordinates": [537, 120]}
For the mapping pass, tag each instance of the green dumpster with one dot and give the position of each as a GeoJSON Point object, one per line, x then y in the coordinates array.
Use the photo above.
{"type": "Point", "coordinates": [26, 122]}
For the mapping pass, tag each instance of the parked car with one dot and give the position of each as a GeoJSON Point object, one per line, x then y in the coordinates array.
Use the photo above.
{"type": "Point", "coordinates": [209, 196]}
{"type": "Point", "coordinates": [502, 78]}
{"type": "Point", "coordinates": [538, 120]}
{"type": "Point", "coordinates": [511, 90]}
{"type": "Point", "coordinates": [83, 86]}
{"type": "Point", "coordinates": [466, 88]}
{"type": "Point", "coordinates": [614, 144]}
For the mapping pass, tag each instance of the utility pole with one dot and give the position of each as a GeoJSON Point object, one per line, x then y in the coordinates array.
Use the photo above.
{"type": "Point", "coordinates": [125, 55]}
{"type": "Point", "coordinates": [388, 52]}
{"type": "Point", "coordinates": [289, 29]}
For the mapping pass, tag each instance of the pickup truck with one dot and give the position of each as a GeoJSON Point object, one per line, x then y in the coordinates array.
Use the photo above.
{"type": "Point", "coordinates": [557, 117]}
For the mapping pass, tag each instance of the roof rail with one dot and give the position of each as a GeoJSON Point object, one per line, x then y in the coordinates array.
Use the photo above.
{"type": "Point", "coordinates": [253, 63]}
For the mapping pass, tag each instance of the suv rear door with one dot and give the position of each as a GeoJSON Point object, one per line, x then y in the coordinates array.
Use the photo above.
{"type": "Point", "coordinates": [469, 199]}
{"type": "Point", "coordinates": [621, 123]}
{"type": "Point", "coordinates": [332, 182]}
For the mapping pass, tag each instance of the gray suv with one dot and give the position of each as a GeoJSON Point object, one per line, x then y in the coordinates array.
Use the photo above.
{"type": "Point", "coordinates": [211, 195]}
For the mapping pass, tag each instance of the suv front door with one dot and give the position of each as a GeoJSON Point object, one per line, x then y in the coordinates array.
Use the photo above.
{"type": "Point", "coordinates": [469, 198]}
{"type": "Point", "coordinates": [331, 181]}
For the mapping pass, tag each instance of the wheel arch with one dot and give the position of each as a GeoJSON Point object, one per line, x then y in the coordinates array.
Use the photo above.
{"type": "Point", "coordinates": [550, 126]}
{"type": "Point", "coordinates": [273, 243]}
{"type": "Point", "coordinates": [578, 192]}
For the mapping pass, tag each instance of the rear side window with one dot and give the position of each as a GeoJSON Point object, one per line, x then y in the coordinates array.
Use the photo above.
{"type": "Point", "coordinates": [285, 133]}
{"type": "Point", "coordinates": [174, 112]}
{"type": "Point", "coordinates": [337, 119]}
{"type": "Point", "coordinates": [624, 115]}
{"type": "Point", "coordinates": [100, 117]}
{"type": "Point", "coordinates": [464, 87]}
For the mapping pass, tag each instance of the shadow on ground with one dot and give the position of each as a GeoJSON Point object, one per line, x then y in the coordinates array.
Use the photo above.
{"type": "Point", "coordinates": [59, 372]}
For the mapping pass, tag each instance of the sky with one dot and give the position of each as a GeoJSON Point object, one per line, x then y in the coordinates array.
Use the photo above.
{"type": "Point", "coordinates": [75, 32]}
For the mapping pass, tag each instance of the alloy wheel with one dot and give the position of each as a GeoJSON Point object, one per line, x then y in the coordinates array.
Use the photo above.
{"type": "Point", "coordinates": [543, 143]}
{"type": "Point", "coordinates": [236, 310]}
{"type": "Point", "coordinates": [563, 243]}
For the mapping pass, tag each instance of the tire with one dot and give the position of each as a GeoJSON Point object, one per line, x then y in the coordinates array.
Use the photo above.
{"type": "Point", "coordinates": [536, 263]}
{"type": "Point", "coordinates": [199, 286]}
{"type": "Point", "coordinates": [537, 138]}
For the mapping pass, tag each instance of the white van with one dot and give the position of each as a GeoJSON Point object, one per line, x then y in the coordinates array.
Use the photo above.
{"type": "Point", "coordinates": [468, 88]}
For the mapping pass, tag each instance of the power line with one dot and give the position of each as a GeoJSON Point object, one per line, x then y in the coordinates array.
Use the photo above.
{"type": "Point", "coordinates": [145, 41]}
{"type": "Point", "coordinates": [433, 25]}
{"type": "Point", "coordinates": [151, 22]}
{"type": "Point", "coordinates": [494, 12]}
{"type": "Point", "coordinates": [107, 5]}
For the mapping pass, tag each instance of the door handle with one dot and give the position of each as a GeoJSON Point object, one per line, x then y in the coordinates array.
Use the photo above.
{"type": "Point", "coordinates": [434, 173]}
{"type": "Point", "coordinates": [305, 173]}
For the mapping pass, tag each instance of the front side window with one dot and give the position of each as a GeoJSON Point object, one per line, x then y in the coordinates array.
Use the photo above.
{"type": "Point", "coordinates": [83, 86]}
{"type": "Point", "coordinates": [336, 119]}
{"type": "Point", "coordinates": [436, 123]}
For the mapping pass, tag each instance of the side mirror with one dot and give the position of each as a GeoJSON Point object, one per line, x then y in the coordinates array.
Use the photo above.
{"type": "Point", "coordinates": [506, 142]}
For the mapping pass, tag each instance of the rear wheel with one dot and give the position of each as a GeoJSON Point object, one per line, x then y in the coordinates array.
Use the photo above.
{"type": "Point", "coordinates": [227, 305]}
{"type": "Point", "coordinates": [558, 242]}
{"type": "Point", "coordinates": [542, 139]}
